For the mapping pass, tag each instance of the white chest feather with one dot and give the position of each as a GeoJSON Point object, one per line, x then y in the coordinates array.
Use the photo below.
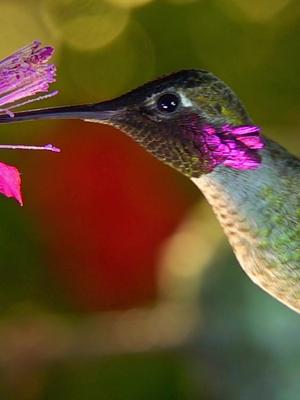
{"type": "Point", "coordinates": [246, 240]}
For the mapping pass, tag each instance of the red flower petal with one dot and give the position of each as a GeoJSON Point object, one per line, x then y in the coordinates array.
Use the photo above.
{"type": "Point", "coordinates": [10, 182]}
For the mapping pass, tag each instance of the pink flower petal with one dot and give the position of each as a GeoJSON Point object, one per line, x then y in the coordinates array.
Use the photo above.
{"type": "Point", "coordinates": [10, 182]}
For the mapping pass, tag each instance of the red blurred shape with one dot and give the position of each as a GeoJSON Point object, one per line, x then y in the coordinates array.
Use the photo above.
{"type": "Point", "coordinates": [106, 207]}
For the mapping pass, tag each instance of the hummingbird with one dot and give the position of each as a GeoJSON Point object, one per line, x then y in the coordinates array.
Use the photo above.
{"type": "Point", "coordinates": [192, 121]}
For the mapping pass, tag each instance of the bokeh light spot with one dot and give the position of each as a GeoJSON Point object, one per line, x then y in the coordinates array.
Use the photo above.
{"type": "Point", "coordinates": [129, 3]}
{"type": "Point", "coordinates": [256, 10]}
{"type": "Point", "coordinates": [184, 257]}
{"type": "Point", "coordinates": [182, 2]}
{"type": "Point", "coordinates": [20, 26]}
{"type": "Point", "coordinates": [125, 63]}
{"type": "Point", "coordinates": [85, 25]}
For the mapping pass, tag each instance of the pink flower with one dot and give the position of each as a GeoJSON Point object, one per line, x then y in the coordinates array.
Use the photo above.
{"type": "Point", "coordinates": [22, 75]}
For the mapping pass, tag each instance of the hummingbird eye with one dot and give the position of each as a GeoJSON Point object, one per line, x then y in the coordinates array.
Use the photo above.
{"type": "Point", "coordinates": [168, 103]}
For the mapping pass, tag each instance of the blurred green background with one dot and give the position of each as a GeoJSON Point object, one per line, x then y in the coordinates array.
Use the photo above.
{"type": "Point", "coordinates": [116, 281]}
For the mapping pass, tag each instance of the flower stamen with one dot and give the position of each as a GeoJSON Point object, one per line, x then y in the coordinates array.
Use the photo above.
{"type": "Point", "coordinates": [24, 74]}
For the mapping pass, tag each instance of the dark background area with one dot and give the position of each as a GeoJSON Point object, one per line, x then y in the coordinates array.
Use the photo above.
{"type": "Point", "coordinates": [116, 281]}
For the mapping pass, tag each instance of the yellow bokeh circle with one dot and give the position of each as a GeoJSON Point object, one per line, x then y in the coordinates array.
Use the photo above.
{"type": "Point", "coordinates": [129, 3]}
{"type": "Point", "coordinates": [20, 25]}
{"type": "Point", "coordinates": [85, 24]}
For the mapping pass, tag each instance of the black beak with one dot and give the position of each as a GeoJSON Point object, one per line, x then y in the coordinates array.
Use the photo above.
{"type": "Point", "coordinates": [100, 112]}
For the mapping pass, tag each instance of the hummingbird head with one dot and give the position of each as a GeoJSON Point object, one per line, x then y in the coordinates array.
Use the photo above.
{"type": "Point", "coordinates": [190, 120]}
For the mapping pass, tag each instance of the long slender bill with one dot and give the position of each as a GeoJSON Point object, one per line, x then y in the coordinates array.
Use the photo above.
{"type": "Point", "coordinates": [100, 112]}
